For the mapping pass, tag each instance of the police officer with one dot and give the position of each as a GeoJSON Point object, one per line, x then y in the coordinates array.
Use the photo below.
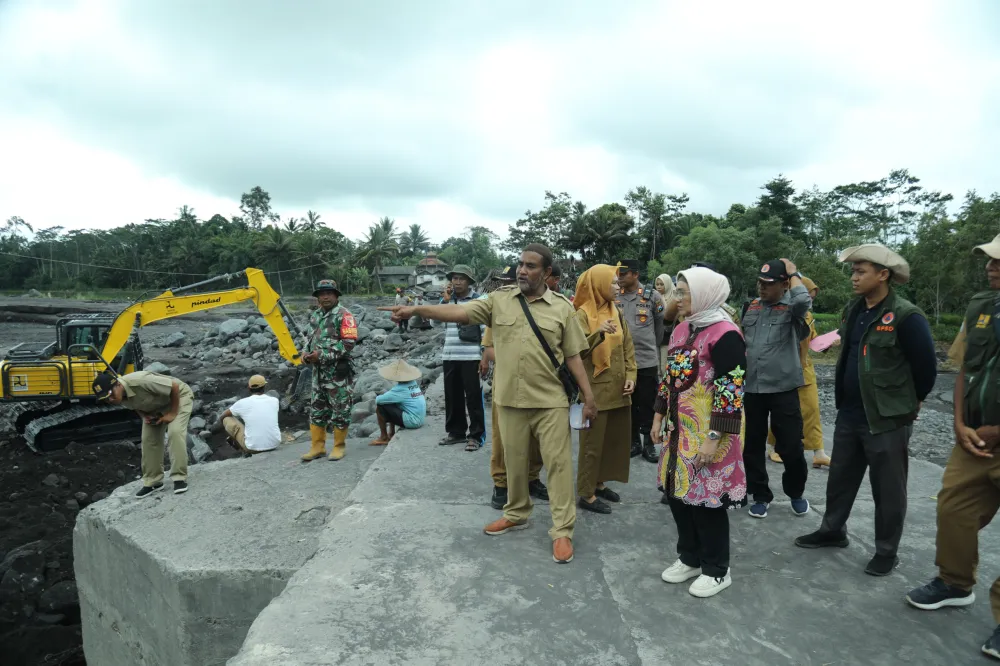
{"type": "Point", "coordinates": [774, 324]}
{"type": "Point", "coordinates": [527, 388]}
{"type": "Point", "coordinates": [553, 280]}
{"type": "Point", "coordinates": [887, 366]}
{"type": "Point", "coordinates": [165, 404]}
{"type": "Point", "coordinates": [970, 493]}
{"type": "Point", "coordinates": [642, 309]}
{"type": "Point", "coordinates": [333, 333]}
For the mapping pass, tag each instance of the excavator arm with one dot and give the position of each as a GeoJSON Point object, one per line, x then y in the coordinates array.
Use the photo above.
{"type": "Point", "coordinates": [176, 303]}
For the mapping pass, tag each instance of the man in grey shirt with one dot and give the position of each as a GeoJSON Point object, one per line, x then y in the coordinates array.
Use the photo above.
{"type": "Point", "coordinates": [774, 324]}
{"type": "Point", "coordinates": [642, 311]}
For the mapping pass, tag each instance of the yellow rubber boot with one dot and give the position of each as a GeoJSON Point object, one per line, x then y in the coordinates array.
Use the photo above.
{"type": "Point", "coordinates": [318, 448]}
{"type": "Point", "coordinates": [339, 443]}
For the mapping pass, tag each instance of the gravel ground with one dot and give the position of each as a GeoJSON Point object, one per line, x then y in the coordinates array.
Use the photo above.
{"type": "Point", "coordinates": [932, 434]}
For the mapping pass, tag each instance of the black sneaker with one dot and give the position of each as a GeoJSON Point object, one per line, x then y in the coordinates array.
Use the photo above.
{"type": "Point", "coordinates": [180, 487]}
{"type": "Point", "coordinates": [452, 439]}
{"type": "Point", "coordinates": [597, 506]}
{"type": "Point", "coordinates": [608, 494]}
{"type": "Point", "coordinates": [820, 539]}
{"type": "Point", "coordinates": [992, 644]}
{"type": "Point", "coordinates": [665, 499]}
{"type": "Point", "coordinates": [636, 448]}
{"type": "Point", "coordinates": [499, 499]}
{"type": "Point", "coordinates": [938, 594]}
{"type": "Point", "coordinates": [880, 565]}
{"type": "Point", "coordinates": [649, 452]}
{"type": "Point", "coordinates": [146, 491]}
{"type": "Point", "coordinates": [538, 490]}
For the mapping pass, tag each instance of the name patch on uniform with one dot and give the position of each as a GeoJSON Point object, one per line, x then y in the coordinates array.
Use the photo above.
{"type": "Point", "coordinates": [984, 321]}
{"type": "Point", "coordinates": [888, 318]}
{"type": "Point", "coordinates": [348, 327]}
{"type": "Point", "coordinates": [885, 329]}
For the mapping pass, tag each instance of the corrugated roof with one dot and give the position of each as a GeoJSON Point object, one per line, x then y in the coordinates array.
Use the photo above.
{"type": "Point", "coordinates": [396, 270]}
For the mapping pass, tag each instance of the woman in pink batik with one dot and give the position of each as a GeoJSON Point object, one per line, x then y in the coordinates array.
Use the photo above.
{"type": "Point", "coordinates": [701, 462]}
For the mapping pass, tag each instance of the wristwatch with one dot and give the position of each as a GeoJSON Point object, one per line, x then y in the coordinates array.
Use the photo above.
{"type": "Point", "coordinates": [796, 274]}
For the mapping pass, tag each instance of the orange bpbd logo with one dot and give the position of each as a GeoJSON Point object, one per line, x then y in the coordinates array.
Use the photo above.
{"type": "Point", "coordinates": [763, 269]}
{"type": "Point", "coordinates": [888, 318]}
{"type": "Point", "coordinates": [348, 327]}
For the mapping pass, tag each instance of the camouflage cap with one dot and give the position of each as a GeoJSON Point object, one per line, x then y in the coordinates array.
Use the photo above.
{"type": "Point", "coordinates": [326, 285]}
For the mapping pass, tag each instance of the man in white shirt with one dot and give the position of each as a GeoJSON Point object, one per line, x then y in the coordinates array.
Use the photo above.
{"type": "Point", "coordinates": [252, 423]}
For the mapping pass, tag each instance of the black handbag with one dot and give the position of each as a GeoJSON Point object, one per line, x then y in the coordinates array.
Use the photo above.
{"type": "Point", "coordinates": [468, 332]}
{"type": "Point", "coordinates": [565, 376]}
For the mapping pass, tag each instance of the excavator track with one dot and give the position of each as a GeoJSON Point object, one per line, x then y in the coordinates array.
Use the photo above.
{"type": "Point", "coordinates": [83, 424]}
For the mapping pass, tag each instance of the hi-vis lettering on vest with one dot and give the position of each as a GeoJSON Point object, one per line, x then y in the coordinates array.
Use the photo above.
{"type": "Point", "coordinates": [348, 327]}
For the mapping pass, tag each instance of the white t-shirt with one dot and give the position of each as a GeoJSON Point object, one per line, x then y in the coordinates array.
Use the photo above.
{"type": "Point", "coordinates": [259, 414]}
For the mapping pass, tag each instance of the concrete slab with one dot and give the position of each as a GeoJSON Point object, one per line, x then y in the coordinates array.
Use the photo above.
{"type": "Point", "coordinates": [178, 579]}
{"type": "Point", "coordinates": [405, 576]}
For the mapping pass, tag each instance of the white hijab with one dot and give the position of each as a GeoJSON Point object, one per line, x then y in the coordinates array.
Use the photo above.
{"type": "Point", "coordinates": [668, 286]}
{"type": "Point", "coordinates": [709, 291]}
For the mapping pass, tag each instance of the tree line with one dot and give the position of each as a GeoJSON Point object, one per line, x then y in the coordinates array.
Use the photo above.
{"type": "Point", "coordinates": [809, 226]}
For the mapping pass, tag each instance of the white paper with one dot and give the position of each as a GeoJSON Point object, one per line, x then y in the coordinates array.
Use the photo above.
{"type": "Point", "coordinates": [576, 420]}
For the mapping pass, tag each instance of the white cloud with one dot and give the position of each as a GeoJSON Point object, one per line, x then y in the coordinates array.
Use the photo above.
{"type": "Point", "coordinates": [451, 114]}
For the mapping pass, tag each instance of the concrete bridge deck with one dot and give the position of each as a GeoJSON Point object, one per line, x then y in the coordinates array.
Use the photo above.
{"type": "Point", "coordinates": [381, 559]}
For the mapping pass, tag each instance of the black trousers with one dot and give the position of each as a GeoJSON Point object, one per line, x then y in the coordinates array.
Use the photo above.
{"type": "Point", "coordinates": [643, 398]}
{"type": "Point", "coordinates": [404, 325]}
{"type": "Point", "coordinates": [462, 391]}
{"type": "Point", "coordinates": [786, 424]}
{"type": "Point", "coordinates": [702, 537]}
{"type": "Point", "coordinates": [886, 457]}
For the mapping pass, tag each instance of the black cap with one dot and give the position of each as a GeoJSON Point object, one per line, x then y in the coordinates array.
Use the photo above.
{"type": "Point", "coordinates": [556, 271]}
{"type": "Point", "coordinates": [103, 384]}
{"type": "Point", "coordinates": [773, 271]}
{"type": "Point", "coordinates": [508, 273]}
{"type": "Point", "coordinates": [629, 265]}
{"type": "Point", "coordinates": [704, 264]}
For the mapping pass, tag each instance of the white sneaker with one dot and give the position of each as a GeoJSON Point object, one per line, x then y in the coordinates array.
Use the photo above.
{"type": "Point", "coordinates": [707, 586]}
{"type": "Point", "coordinates": [678, 572]}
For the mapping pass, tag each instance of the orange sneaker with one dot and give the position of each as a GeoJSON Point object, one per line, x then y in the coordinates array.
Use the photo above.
{"type": "Point", "coordinates": [502, 526]}
{"type": "Point", "coordinates": [562, 550]}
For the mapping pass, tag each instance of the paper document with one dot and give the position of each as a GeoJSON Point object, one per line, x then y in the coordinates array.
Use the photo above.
{"type": "Point", "coordinates": [823, 342]}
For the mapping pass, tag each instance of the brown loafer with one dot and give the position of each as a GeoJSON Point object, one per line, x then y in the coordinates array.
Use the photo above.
{"type": "Point", "coordinates": [821, 461]}
{"type": "Point", "coordinates": [562, 550]}
{"type": "Point", "coordinates": [502, 526]}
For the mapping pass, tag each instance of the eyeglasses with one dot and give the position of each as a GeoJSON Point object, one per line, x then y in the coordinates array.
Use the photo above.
{"type": "Point", "coordinates": [681, 294]}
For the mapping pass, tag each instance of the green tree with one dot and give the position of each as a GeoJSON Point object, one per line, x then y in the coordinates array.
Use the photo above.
{"type": "Point", "coordinates": [256, 208]}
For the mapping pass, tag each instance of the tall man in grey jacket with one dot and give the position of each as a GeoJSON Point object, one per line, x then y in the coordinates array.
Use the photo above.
{"type": "Point", "coordinates": [774, 324]}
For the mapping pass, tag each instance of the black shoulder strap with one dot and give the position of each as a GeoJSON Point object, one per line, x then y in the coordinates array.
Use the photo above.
{"type": "Point", "coordinates": [538, 334]}
{"type": "Point", "coordinates": [746, 306]}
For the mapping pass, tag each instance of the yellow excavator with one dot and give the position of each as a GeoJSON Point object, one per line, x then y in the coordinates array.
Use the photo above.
{"type": "Point", "coordinates": [62, 372]}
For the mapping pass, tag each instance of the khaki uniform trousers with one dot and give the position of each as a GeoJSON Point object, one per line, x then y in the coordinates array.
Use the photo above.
{"type": "Point", "coordinates": [176, 436]}
{"type": "Point", "coordinates": [498, 466]}
{"type": "Point", "coordinates": [812, 430]}
{"type": "Point", "coordinates": [235, 429]}
{"type": "Point", "coordinates": [550, 427]}
{"type": "Point", "coordinates": [969, 498]}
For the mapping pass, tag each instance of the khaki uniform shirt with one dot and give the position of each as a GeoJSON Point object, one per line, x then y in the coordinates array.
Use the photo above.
{"type": "Point", "coordinates": [149, 392]}
{"type": "Point", "coordinates": [956, 353]}
{"type": "Point", "coordinates": [523, 376]}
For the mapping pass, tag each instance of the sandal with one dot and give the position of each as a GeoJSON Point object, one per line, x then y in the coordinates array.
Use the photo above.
{"type": "Point", "coordinates": [473, 445]}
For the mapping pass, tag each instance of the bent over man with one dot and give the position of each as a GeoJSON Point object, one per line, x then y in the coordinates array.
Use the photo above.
{"type": "Point", "coordinates": [333, 333]}
{"type": "Point", "coordinates": [528, 390]}
{"type": "Point", "coordinates": [164, 403]}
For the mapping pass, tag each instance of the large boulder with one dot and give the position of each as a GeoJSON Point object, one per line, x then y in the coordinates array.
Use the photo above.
{"type": "Point", "coordinates": [158, 368]}
{"type": "Point", "coordinates": [212, 355]}
{"type": "Point", "coordinates": [198, 450]}
{"type": "Point", "coordinates": [371, 381]}
{"type": "Point", "coordinates": [260, 342]}
{"type": "Point", "coordinates": [60, 598]}
{"type": "Point", "coordinates": [174, 340]}
{"type": "Point", "coordinates": [393, 342]}
{"type": "Point", "coordinates": [196, 424]}
{"type": "Point", "coordinates": [363, 333]}
{"type": "Point", "coordinates": [360, 412]}
{"type": "Point", "coordinates": [232, 327]}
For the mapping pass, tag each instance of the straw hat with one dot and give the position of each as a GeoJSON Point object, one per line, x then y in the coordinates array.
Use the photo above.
{"type": "Point", "coordinates": [991, 249]}
{"type": "Point", "coordinates": [879, 254]}
{"type": "Point", "coordinates": [399, 371]}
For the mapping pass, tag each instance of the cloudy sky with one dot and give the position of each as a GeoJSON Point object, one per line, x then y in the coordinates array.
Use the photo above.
{"type": "Point", "coordinates": [458, 112]}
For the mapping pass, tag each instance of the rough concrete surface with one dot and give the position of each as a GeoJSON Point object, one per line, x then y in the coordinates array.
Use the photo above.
{"type": "Point", "coordinates": [177, 579]}
{"type": "Point", "coordinates": [405, 576]}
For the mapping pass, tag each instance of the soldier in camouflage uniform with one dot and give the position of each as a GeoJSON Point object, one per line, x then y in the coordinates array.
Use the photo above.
{"type": "Point", "coordinates": [333, 333]}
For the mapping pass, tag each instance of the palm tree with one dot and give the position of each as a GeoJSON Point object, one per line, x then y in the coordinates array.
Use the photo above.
{"type": "Point", "coordinates": [379, 246]}
{"type": "Point", "coordinates": [309, 250]}
{"type": "Point", "coordinates": [275, 245]}
{"type": "Point", "coordinates": [312, 222]}
{"type": "Point", "coordinates": [292, 225]}
{"type": "Point", "coordinates": [414, 240]}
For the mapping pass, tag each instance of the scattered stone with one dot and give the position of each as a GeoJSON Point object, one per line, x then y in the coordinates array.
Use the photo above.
{"type": "Point", "coordinates": [60, 598]}
{"type": "Point", "coordinates": [98, 496]}
{"type": "Point", "coordinates": [72, 505]}
{"type": "Point", "coordinates": [196, 423]}
{"type": "Point", "coordinates": [25, 558]}
{"type": "Point", "coordinates": [81, 497]}
{"type": "Point", "coordinates": [363, 333]}
{"type": "Point", "coordinates": [360, 412]}
{"type": "Point", "coordinates": [393, 342]}
{"type": "Point", "coordinates": [158, 368]}
{"type": "Point", "coordinates": [51, 480]}
{"type": "Point", "coordinates": [33, 293]}
{"type": "Point", "coordinates": [232, 327]}
{"type": "Point", "coordinates": [259, 342]}
{"type": "Point", "coordinates": [212, 355]}
{"type": "Point", "coordinates": [198, 449]}
{"type": "Point", "coordinates": [174, 340]}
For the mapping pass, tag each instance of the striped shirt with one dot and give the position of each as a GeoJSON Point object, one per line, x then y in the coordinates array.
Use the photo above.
{"type": "Point", "coordinates": [456, 349]}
